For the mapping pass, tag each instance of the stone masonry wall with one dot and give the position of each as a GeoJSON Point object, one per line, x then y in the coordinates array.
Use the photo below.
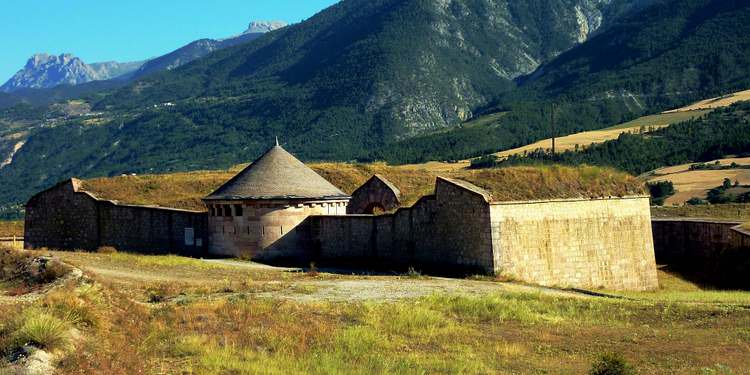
{"type": "Point", "coordinates": [604, 243]}
{"type": "Point", "coordinates": [61, 218]}
{"type": "Point", "coordinates": [377, 192]}
{"type": "Point", "coordinates": [449, 231]}
{"type": "Point", "coordinates": [715, 253]}
{"type": "Point", "coordinates": [264, 230]}
{"type": "Point", "coordinates": [68, 218]}
{"type": "Point", "coordinates": [679, 240]}
{"type": "Point", "coordinates": [152, 230]}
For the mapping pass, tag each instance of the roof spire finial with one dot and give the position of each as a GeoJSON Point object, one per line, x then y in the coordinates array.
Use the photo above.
{"type": "Point", "coordinates": [277, 141]}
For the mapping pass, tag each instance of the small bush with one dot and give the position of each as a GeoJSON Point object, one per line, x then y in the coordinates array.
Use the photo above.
{"type": "Point", "coordinates": [73, 308]}
{"type": "Point", "coordinates": [163, 292]}
{"type": "Point", "coordinates": [611, 364]}
{"type": "Point", "coordinates": [313, 270]}
{"type": "Point", "coordinates": [695, 201]}
{"type": "Point", "coordinates": [51, 271]}
{"type": "Point", "coordinates": [413, 274]}
{"type": "Point", "coordinates": [106, 250]}
{"type": "Point", "coordinates": [24, 272]}
{"type": "Point", "coordinates": [42, 330]}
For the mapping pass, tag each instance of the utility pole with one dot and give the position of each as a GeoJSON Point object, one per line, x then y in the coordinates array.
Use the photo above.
{"type": "Point", "coordinates": [554, 128]}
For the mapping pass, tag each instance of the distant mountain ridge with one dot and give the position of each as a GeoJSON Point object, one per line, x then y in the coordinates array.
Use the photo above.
{"type": "Point", "coordinates": [46, 71]}
{"type": "Point", "coordinates": [203, 47]}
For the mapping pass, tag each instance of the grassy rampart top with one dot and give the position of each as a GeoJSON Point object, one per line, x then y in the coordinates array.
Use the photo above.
{"type": "Point", "coordinates": [185, 190]}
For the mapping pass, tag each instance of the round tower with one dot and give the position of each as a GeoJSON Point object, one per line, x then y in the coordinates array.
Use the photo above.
{"type": "Point", "coordinates": [257, 213]}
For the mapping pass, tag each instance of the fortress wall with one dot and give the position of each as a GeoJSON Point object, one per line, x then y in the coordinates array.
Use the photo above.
{"type": "Point", "coordinates": [576, 243]}
{"type": "Point", "coordinates": [449, 230]}
{"type": "Point", "coordinates": [151, 230]}
{"type": "Point", "coordinates": [61, 218]}
{"type": "Point", "coordinates": [715, 253]}
{"type": "Point", "coordinates": [680, 240]}
{"type": "Point", "coordinates": [463, 219]}
{"type": "Point", "coordinates": [67, 218]}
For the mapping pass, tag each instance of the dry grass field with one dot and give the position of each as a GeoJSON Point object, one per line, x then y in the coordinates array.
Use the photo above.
{"type": "Point", "coordinates": [732, 212]}
{"type": "Point", "coordinates": [184, 190]}
{"type": "Point", "coordinates": [666, 118]}
{"type": "Point", "coordinates": [588, 138]}
{"type": "Point", "coordinates": [696, 183]}
{"type": "Point", "coordinates": [11, 228]}
{"type": "Point", "coordinates": [169, 315]}
{"type": "Point", "coordinates": [713, 103]}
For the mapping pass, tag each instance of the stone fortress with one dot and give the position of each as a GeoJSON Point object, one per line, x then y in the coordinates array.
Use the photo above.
{"type": "Point", "coordinates": [278, 209]}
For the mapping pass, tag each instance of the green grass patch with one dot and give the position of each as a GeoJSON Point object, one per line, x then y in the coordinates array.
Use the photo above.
{"type": "Point", "coordinates": [43, 330]}
{"type": "Point", "coordinates": [731, 211]}
{"type": "Point", "coordinates": [159, 261]}
{"type": "Point", "coordinates": [485, 120]}
{"type": "Point", "coordinates": [673, 288]}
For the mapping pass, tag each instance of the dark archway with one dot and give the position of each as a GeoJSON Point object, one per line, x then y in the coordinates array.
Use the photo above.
{"type": "Point", "coordinates": [374, 208]}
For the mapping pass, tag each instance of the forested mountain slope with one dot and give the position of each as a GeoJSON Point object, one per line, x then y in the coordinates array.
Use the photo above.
{"type": "Point", "coordinates": [667, 55]}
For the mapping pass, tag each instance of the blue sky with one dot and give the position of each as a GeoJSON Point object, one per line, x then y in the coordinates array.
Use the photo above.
{"type": "Point", "coordinates": [128, 30]}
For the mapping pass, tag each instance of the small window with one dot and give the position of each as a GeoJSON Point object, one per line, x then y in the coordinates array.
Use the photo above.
{"type": "Point", "coordinates": [211, 211]}
{"type": "Point", "coordinates": [237, 210]}
{"type": "Point", "coordinates": [227, 210]}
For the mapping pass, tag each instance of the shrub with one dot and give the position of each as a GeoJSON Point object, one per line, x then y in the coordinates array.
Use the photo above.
{"type": "Point", "coordinates": [26, 271]}
{"type": "Point", "coordinates": [73, 308]}
{"type": "Point", "coordinates": [660, 191]}
{"type": "Point", "coordinates": [106, 250]}
{"type": "Point", "coordinates": [42, 330]}
{"type": "Point", "coordinates": [695, 201]}
{"type": "Point", "coordinates": [51, 271]}
{"type": "Point", "coordinates": [413, 273]}
{"type": "Point", "coordinates": [487, 161]}
{"type": "Point", "coordinates": [611, 364]}
{"type": "Point", "coordinates": [163, 292]}
{"type": "Point", "coordinates": [313, 271]}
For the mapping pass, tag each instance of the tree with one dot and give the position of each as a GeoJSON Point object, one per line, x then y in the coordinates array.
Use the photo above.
{"type": "Point", "coordinates": [727, 183]}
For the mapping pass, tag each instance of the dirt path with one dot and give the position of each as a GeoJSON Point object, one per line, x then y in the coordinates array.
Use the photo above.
{"type": "Point", "coordinates": [345, 288]}
{"type": "Point", "coordinates": [392, 289]}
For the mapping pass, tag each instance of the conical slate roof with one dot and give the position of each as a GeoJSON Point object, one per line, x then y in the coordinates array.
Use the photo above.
{"type": "Point", "coordinates": [277, 175]}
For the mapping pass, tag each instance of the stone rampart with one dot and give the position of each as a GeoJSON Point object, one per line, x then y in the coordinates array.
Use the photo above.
{"type": "Point", "coordinates": [710, 252]}
{"type": "Point", "coordinates": [447, 231]}
{"type": "Point", "coordinates": [66, 217]}
{"type": "Point", "coordinates": [678, 240]}
{"type": "Point", "coordinates": [583, 243]}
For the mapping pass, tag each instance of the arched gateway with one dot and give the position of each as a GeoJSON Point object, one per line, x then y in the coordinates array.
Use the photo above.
{"type": "Point", "coordinates": [253, 215]}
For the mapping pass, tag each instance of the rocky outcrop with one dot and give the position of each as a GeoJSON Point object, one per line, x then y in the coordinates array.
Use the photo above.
{"type": "Point", "coordinates": [264, 26]}
{"type": "Point", "coordinates": [44, 71]}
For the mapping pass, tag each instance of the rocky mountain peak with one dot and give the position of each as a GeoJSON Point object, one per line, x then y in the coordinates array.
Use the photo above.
{"type": "Point", "coordinates": [264, 26]}
{"type": "Point", "coordinates": [43, 70]}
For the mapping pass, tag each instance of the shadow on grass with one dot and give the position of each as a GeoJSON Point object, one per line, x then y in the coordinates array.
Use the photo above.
{"type": "Point", "coordinates": [726, 273]}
